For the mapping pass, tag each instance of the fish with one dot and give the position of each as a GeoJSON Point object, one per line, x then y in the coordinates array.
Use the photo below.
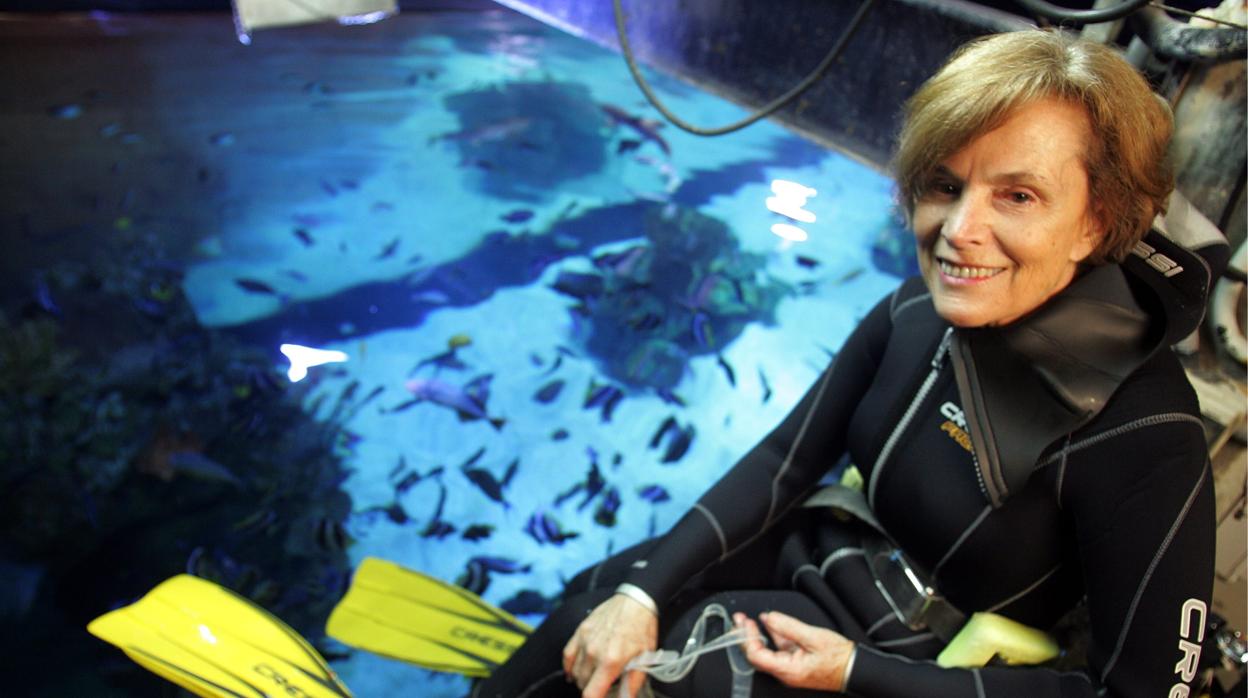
{"type": "Point", "coordinates": [655, 494]}
{"type": "Point", "coordinates": [593, 484]}
{"type": "Point", "coordinates": [445, 359]}
{"type": "Point", "coordinates": [380, 206]}
{"type": "Point", "coordinates": [607, 508]}
{"type": "Point", "coordinates": [547, 393]}
{"type": "Point", "coordinates": [331, 535]}
{"type": "Point", "coordinates": [402, 406]}
{"type": "Point", "coordinates": [329, 188]}
{"type": "Point", "coordinates": [627, 145]}
{"type": "Point", "coordinates": [808, 262]}
{"type": "Point", "coordinates": [256, 286]}
{"type": "Point", "coordinates": [529, 602]}
{"type": "Point", "coordinates": [44, 299]}
{"type": "Point", "coordinates": [489, 484]}
{"type": "Point", "coordinates": [702, 293]}
{"type": "Point", "coordinates": [622, 263]}
{"type": "Point", "coordinates": [850, 275]}
{"type": "Point", "coordinates": [762, 379]}
{"type": "Point", "coordinates": [702, 331]}
{"type": "Point", "coordinates": [545, 529]}
{"type": "Point", "coordinates": [501, 565]}
{"type": "Point", "coordinates": [477, 532]}
{"type": "Point", "coordinates": [646, 128]}
{"type": "Point", "coordinates": [732, 375]}
{"type": "Point", "coordinates": [679, 444]}
{"type": "Point", "coordinates": [667, 425]}
{"type": "Point", "coordinates": [438, 527]}
{"type": "Point", "coordinates": [196, 465]}
{"type": "Point", "coordinates": [467, 401]}
{"type": "Point", "coordinates": [559, 435]}
{"type": "Point", "coordinates": [221, 138]}
{"type": "Point", "coordinates": [388, 251]}
{"type": "Point", "coordinates": [65, 111]}
{"type": "Point", "coordinates": [296, 275]}
{"type": "Point", "coordinates": [605, 396]}
{"type": "Point", "coordinates": [670, 397]}
{"type": "Point", "coordinates": [493, 132]}
{"type": "Point", "coordinates": [518, 215]}
{"type": "Point", "coordinates": [578, 285]}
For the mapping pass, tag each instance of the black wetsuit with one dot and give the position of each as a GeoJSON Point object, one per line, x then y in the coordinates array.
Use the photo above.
{"type": "Point", "coordinates": [1117, 512]}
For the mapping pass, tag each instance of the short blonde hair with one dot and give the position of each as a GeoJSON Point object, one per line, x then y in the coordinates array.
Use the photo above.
{"type": "Point", "coordinates": [1129, 172]}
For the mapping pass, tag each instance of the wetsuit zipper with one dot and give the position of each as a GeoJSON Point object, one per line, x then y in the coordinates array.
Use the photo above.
{"type": "Point", "coordinates": [938, 362]}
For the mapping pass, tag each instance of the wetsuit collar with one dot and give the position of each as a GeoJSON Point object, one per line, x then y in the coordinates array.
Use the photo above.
{"type": "Point", "coordinates": [1027, 384]}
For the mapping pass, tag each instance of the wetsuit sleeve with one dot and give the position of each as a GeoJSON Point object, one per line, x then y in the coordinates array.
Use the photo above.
{"type": "Point", "coordinates": [772, 476]}
{"type": "Point", "coordinates": [1141, 501]}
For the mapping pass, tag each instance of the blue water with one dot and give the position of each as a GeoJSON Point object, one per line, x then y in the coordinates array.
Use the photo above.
{"type": "Point", "coordinates": [394, 206]}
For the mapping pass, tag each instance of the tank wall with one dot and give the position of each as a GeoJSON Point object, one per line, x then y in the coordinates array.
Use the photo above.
{"type": "Point", "coordinates": [751, 52]}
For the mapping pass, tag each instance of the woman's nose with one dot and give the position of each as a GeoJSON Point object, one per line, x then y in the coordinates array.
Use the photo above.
{"type": "Point", "coordinates": [966, 222]}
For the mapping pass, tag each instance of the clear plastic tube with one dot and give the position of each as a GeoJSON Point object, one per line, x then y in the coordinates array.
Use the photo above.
{"type": "Point", "coordinates": [670, 666]}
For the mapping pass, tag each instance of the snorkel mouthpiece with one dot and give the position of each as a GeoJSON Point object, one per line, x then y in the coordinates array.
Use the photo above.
{"type": "Point", "coordinates": [670, 666]}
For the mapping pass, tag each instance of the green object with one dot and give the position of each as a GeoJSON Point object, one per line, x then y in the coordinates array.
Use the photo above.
{"type": "Point", "coordinates": [216, 644]}
{"type": "Point", "coordinates": [403, 614]}
{"type": "Point", "coordinates": [988, 635]}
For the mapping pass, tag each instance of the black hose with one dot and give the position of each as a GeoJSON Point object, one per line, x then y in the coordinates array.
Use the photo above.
{"type": "Point", "coordinates": [1066, 15]}
{"type": "Point", "coordinates": [1178, 41]}
{"type": "Point", "coordinates": [761, 113]}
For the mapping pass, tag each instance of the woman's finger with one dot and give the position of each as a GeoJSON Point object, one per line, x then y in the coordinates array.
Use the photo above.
{"type": "Point", "coordinates": [600, 682]}
{"type": "Point", "coordinates": [787, 627]}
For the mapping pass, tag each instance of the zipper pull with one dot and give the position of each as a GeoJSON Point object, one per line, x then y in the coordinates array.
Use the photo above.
{"type": "Point", "coordinates": [943, 350]}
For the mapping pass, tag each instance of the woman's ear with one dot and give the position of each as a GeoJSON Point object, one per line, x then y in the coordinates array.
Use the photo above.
{"type": "Point", "coordinates": [1090, 238]}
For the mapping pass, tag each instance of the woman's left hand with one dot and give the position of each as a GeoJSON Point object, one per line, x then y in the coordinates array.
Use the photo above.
{"type": "Point", "coordinates": [806, 656]}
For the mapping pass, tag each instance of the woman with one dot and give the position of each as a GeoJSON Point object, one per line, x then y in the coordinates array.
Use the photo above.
{"type": "Point", "coordinates": [1027, 439]}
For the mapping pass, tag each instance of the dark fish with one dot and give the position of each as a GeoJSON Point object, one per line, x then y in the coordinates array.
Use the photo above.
{"type": "Point", "coordinates": [501, 565]}
{"type": "Point", "coordinates": [808, 262]}
{"type": "Point", "coordinates": [850, 275]}
{"type": "Point", "coordinates": [669, 397]}
{"type": "Point", "coordinates": [607, 508]}
{"type": "Point", "coordinates": [388, 250]}
{"type": "Point", "coordinates": [646, 322]}
{"type": "Point", "coordinates": [678, 445]}
{"type": "Point", "coordinates": [305, 237]}
{"type": "Point", "coordinates": [403, 405]}
{"type": "Point", "coordinates": [528, 602]}
{"type": "Point", "coordinates": [380, 206]}
{"type": "Point", "coordinates": [395, 513]}
{"type": "Point", "coordinates": [702, 331]}
{"type": "Point", "coordinates": [475, 578]}
{"type": "Point", "coordinates": [667, 425]}
{"type": "Point", "coordinates": [44, 299]}
{"type": "Point", "coordinates": [477, 532]}
{"type": "Point", "coordinates": [627, 145]}
{"type": "Point", "coordinates": [605, 396]}
{"type": "Point", "coordinates": [296, 275]}
{"type": "Point", "coordinates": [438, 527]}
{"type": "Point", "coordinates": [519, 215]}
{"type": "Point", "coordinates": [255, 286]}
{"type": "Point", "coordinates": [221, 138]}
{"type": "Point", "coordinates": [469, 401]}
{"type": "Point", "coordinates": [654, 494]}
{"type": "Point", "coordinates": [547, 393]}
{"type": "Point", "coordinates": [762, 378]}
{"type": "Point", "coordinates": [331, 535]}
{"type": "Point", "coordinates": [329, 188]}
{"type": "Point", "coordinates": [350, 184]}
{"type": "Point", "coordinates": [446, 359]}
{"type": "Point", "coordinates": [65, 111]}
{"type": "Point", "coordinates": [645, 128]}
{"type": "Point", "coordinates": [544, 528]}
{"type": "Point", "coordinates": [490, 485]}
{"type": "Point", "coordinates": [559, 435]}
{"type": "Point", "coordinates": [617, 459]}
{"type": "Point", "coordinates": [579, 286]}
{"type": "Point", "coordinates": [732, 375]}
{"type": "Point", "coordinates": [593, 484]}
{"type": "Point", "coordinates": [197, 465]}
{"type": "Point", "coordinates": [398, 469]}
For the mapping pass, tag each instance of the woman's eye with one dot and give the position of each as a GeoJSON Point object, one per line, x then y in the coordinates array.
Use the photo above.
{"type": "Point", "coordinates": [943, 189]}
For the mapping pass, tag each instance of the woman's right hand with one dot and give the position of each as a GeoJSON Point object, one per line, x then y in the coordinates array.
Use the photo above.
{"type": "Point", "coordinates": [615, 632]}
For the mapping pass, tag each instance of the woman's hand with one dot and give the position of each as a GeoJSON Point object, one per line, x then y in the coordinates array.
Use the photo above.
{"type": "Point", "coordinates": [615, 632]}
{"type": "Point", "coordinates": [806, 656]}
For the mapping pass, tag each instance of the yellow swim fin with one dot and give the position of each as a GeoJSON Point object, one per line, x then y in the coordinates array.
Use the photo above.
{"type": "Point", "coordinates": [402, 614]}
{"type": "Point", "coordinates": [988, 635]}
{"type": "Point", "coordinates": [217, 644]}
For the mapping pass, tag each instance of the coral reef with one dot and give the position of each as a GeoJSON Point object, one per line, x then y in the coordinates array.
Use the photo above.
{"type": "Point", "coordinates": [135, 445]}
{"type": "Point", "coordinates": [688, 290]}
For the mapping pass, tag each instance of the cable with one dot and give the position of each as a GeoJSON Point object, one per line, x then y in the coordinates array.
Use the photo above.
{"type": "Point", "coordinates": [1064, 14]}
{"type": "Point", "coordinates": [761, 113]}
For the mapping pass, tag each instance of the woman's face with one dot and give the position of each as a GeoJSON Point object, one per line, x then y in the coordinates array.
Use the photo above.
{"type": "Point", "coordinates": [1003, 223]}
